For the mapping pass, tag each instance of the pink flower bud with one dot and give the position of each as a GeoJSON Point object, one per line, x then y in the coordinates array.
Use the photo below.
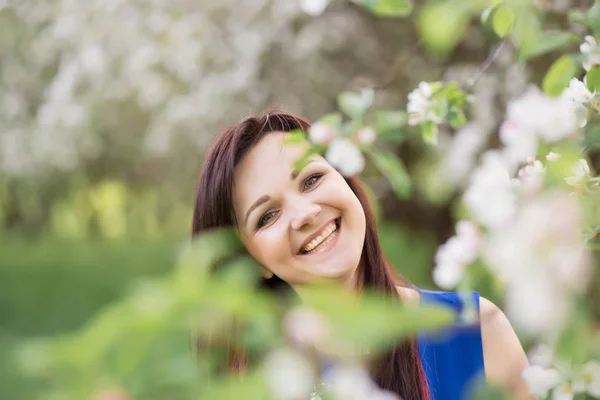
{"type": "Point", "coordinates": [366, 135]}
{"type": "Point", "coordinates": [113, 394]}
{"type": "Point", "coordinates": [414, 119]}
{"type": "Point", "coordinates": [307, 325]}
{"type": "Point", "coordinates": [321, 133]}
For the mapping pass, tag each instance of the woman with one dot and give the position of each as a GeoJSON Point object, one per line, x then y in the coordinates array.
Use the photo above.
{"type": "Point", "coordinates": [315, 225]}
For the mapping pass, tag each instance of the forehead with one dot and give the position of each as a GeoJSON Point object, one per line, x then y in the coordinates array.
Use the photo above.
{"type": "Point", "coordinates": [264, 168]}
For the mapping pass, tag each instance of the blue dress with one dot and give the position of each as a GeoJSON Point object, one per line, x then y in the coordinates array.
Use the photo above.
{"type": "Point", "coordinates": [452, 359]}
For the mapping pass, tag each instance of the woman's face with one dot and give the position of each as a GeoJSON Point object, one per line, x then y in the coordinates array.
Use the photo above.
{"type": "Point", "coordinates": [303, 228]}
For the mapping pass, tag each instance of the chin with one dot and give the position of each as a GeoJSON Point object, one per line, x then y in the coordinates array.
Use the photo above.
{"type": "Point", "coordinates": [341, 270]}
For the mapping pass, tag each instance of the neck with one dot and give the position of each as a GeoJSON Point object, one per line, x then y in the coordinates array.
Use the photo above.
{"type": "Point", "coordinates": [347, 283]}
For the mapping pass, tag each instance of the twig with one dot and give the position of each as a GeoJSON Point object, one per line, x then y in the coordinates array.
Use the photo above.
{"type": "Point", "coordinates": [486, 64]}
{"type": "Point", "coordinates": [397, 66]}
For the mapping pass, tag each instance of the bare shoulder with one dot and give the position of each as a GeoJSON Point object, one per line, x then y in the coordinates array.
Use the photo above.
{"type": "Point", "coordinates": [503, 354]}
{"type": "Point", "coordinates": [408, 294]}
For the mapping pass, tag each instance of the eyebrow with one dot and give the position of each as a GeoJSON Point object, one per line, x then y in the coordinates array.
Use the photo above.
{"type": "Point", "coordinates": [295, 173]}
{"type": "Point", "coordinates": [265, 198]}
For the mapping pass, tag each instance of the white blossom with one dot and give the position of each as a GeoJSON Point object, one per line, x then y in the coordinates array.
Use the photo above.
{"type": "Point", "coordinates": [314, 7]}
{"type": "Point", "coordinates": [345, 156]}
{"type": "Point", "coordinates": [580, 171]}
{"type": "Point", "coordinates": [348, 382]}
{"type": "Point", "coordinates": [591, 53]}
{"type": "Point", "coordinates": [140, 54]}
{"type": "Point", "coordinates": [577, 92]}
{"type": "Point", "coordinates": [547, 118]}
{"type": "Point", "coordinates": [581, 115]}
{"type": "Point", "coordinates": [541, 355]}
{"type": "Point", "coordinates": [591, 378]}
{"type": "Point", "coordinates": [577, 96]}
{"type": "Point", "coordinates": [540, 380]}
{"type": "Point", "coordinates": [288, 374]}
{"type": "Point", "coordinates": [552, 156]}
{"type": "Point", "coordinates": [459, 156]}
{"type": "Point", "coordinates": [547, 304]}
{"type": "Point", "coordinates": [321, 133]}
{"type": "Point", "coordinates": [418, 103]}
{"type": "Point", "coordinates": [446, 274]}
{"type": "Point", "coordinates": [352, 382]}
{"type": "Point", "coordinates": [541, 257]}
{"type": "Point", "coordinates": [531, 177]}
{"type": "Point", "coordinates": [92, 59]}
{"type": "Point", "coordinates": [545, 234]}
{"type": "Point", "coordinates": [453, 256]}
{"type": "Point", "coordinates": [491, 195]}
{"type": "Point", "coordinates": [519, 142]}
{"type": "Point", "coordinates": [533, 167]}
{"type": "Point", "coordinates": [563, 391]}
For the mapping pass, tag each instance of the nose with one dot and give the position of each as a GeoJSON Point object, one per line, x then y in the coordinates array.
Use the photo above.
{"type": "Point", "coordinates": [305, 215]}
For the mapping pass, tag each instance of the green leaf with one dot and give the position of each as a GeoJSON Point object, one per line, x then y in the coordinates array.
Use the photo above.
{"type": "Point", "coordinates": [483, 390]}
{"type": "Point", "coordinates": [456, 118]}
{"type": "Point", "coordinates": [429, 131]}
{"type": "Point", "coordinates": [387, 8]}
{"type": "Point", "coordinates": [575, 341]}
{"type": "Point", "coordinates": [577, 17]}
{"type": "Point", "coordinates": [485, 15]}
{"type": "Point", "coordinates": [547, 42]}
{"type": "Point", "coordinates": [372, 320]}
{"type": "Point", "coordinates": [348, 128]}
{"type": "Point", "coordinates": [389, 120]}
{"type": "Point", "coordinates": [241, 271]}
{"type": "Point", "coordinates": [592, 138]}
{"type": "Point", "coordinates": [395, 172]}
{"type": "Point", "coordinates": [234, 387]}
{"type": "Point", "coordinates": [592, 18]}
{"type": "Point", "coordinates": [295, 137]}
{"type": "Point", "coordinates": [527, 34]}
{"type": "Point", "coordinates": [396, 137]}
{"type": "Point", "coordinates": [302, 162]}
{"type": "Point", "coordinates": [558, 76]}
{"type": "Point", "coordinates": [456, 96]}
{"type": "Point", "coordinates": [441, 105]}
{"type": "Point", "coordinates": [592, 79]}
{"type": "Point", "coordinates": [209, 248]}
{"type": "Point", "coordinates": [355, 105]}
{"type": "Point", "coordinates": [332, 119]}
{"type": "Point", "coordinates": [442, 25]}
{"type": "Point", "coordinates": [504, 21]}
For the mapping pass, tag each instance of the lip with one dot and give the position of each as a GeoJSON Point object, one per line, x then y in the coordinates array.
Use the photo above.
{"type": "Point", "coordinates": [337, 221]}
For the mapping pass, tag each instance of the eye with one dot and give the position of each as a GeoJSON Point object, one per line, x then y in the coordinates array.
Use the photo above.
{"type": "Point", "coordinates": [311, 181]}
{"type": "Point", "coordinates": [265, 219]}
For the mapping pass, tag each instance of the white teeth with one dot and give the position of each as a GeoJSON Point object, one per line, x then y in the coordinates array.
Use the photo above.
{"type": "Point", "coordinates": [324, 238]}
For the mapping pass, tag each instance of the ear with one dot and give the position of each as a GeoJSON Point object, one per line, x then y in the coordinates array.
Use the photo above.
{"type": "Point", "coordinates": [267, 274]}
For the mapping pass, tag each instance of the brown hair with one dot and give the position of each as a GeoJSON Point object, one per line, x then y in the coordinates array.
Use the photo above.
{"type": "Point", "coordinates": [400, 370]}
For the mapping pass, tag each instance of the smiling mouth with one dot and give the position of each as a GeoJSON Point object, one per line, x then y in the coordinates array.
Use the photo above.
{"type": "Point", "coordinates": [327, 236]}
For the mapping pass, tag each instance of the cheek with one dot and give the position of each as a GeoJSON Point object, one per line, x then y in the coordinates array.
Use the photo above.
{"type": "Point", "coordinates": [346, 200]}
{"type": "Point", "coordinates": [271, 246]}
{"type": "Point", "coordinates": [341, 196]}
